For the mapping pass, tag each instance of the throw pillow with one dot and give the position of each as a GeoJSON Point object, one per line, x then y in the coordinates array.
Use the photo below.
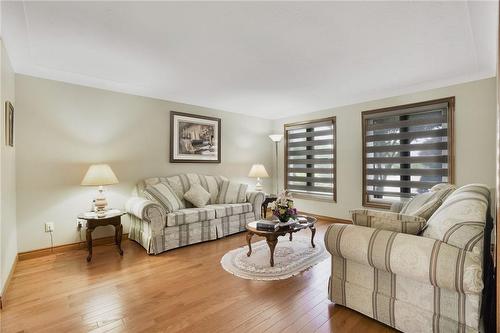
{"type": "Point", "coordinates": [426, 210]}
{"type": "Point", "coordinates": [460, 221]}
{"type": "Point", "coordinates": [412, 205]}
{"type": "Point", "coordinates": [397, 206]}
{"type": "Point", "coordinates": [442, 187]}
{"type": "Point", "coordinates": [231, 192]}
{"type": "Point", "coordinates": [210, 183]}
{"type": "Point", "coordinates": [163, 194]}
{"type": "Point", "coordinates": [425, 204]}
{"type": "Point", "coordinates": [411, 225]}
{"type": "Point", "coordinates": [197, 195]}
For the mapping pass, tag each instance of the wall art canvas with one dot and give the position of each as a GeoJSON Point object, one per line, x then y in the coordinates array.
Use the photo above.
{"type": "Point", "coordinates": [194, 138]}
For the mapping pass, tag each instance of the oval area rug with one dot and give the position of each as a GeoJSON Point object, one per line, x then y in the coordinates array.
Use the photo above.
{"type": "Point", "coordinates": [290, 258]}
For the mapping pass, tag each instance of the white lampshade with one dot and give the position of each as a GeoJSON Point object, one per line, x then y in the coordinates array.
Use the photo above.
{"type": "Point", "coordinates": [258, 171]}
{"type": "Point", "coordinates": [98, 175]}
{"type": "Point", "coordinates": [276, 137]}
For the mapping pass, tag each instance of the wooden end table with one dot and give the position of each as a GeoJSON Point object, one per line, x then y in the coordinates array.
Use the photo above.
{"type": "Point", "coordinates": [112, 217]}
{"type": "Point", "coordinates": [272, 236]}
{"type": "Point", "coordinates": [267, 200]}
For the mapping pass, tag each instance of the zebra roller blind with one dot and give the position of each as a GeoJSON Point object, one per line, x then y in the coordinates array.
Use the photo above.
{"type": "Point", "coordinates": [406, 150]}
{"type": "Point", "coordinates": [310, 158]}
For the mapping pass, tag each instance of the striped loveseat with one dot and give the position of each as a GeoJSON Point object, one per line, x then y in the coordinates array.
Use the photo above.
{"type": "Point", "coordinates": [430, 282]}
{"type": "Point", "coordinates": [160, 226]}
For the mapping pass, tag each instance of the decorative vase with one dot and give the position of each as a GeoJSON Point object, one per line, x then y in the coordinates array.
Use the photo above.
{"type": "Point", "coordinates": [284, 219]}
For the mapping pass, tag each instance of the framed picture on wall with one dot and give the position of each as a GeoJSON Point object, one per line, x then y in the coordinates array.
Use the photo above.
{"type": "Point", "coordinates": [9, 124]}
{"type": "Point", "coordinates": [194, 138]}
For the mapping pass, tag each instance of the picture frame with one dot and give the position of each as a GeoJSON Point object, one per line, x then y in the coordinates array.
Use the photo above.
{"type": "Point", "coordinates": [194, 138]}
{"type": "Point", "coordinates": [9, 124]}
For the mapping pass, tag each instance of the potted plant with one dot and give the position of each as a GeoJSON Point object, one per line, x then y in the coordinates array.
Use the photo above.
{"type": "Point", "coordinates": [283, 208]}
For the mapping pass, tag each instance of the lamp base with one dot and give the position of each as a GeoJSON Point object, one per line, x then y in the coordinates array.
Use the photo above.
{"type": "Point", "coordinates": [100, 203]}
{"type": "Point", "coordinates": [100, 207]}
{"type": "Point", "coordinates": [258, 186]}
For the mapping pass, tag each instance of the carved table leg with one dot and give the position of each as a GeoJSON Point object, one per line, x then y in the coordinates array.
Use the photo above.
{"type": "Point", "coordinates": [291, 237]}
{"type": "Point", "coordinates": [313, 232]}
{"type": "Point", "coordinates": [118, 237]}
{"type": "Point", "coordinates": [249, 239]}
{"type": "Point", "coordinates": [272, 241]}
{"type": "Point", "coordinates": [89, 243]}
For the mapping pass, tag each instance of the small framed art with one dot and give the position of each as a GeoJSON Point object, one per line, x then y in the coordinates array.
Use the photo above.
{"type": "Point", "coordinates": [9, 124]}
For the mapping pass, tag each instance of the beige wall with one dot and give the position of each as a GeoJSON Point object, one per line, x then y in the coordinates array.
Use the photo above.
{"type": "Point", "coordinates": [475, 141]}
{"type": "Point", "coordinates": [63, 128]}
{"type": "Point", "coordinates": [8, 242]}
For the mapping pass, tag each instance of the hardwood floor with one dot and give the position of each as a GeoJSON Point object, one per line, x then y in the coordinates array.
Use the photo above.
{"type": "Point", "coordinates": [185, 290]}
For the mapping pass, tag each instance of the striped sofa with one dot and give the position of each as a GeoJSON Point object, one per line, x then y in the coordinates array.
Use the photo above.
{"type": "Point", "coordinates": [430, 282]}
{"type": "Point", "coordinates": [160, 229]}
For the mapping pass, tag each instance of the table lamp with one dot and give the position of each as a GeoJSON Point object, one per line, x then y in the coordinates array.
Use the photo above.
{"type": "Point", "coordinates": [258, 171]}
{"type": "Point", "coordinates": [99, 175]}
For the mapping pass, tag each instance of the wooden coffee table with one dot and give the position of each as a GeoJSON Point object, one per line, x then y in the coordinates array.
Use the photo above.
{"type": "Point", "coordinates": [272, 236]}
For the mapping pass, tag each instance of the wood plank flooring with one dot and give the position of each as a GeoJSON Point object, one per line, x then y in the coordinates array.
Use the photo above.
{"type": "Point", "coordinates": [184, 290]}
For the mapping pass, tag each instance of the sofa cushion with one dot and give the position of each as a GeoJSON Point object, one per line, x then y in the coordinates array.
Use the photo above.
{"type": "Point", "coordinates": [197, 195]}
{"type": "Point", "coordinates": [397, 206]}
{"type": "Point", "coordinates": [190, 215]}
{"type": "Point", "coordinates": [179, 183]}
{"type": "Point", "coordinates": [425, 204]}
{"type": "Point", "coordinates": [232, 192]}
{"type": "Point", "coordinates": [163, 194]}
{"type": "Point", "coordinates": [422, 205]}
{"type": "Point", "coordinates": [182, 183]}
{"type": "Point", "coordinates": [222, 210]}
{"type": "Point", "coordinates": [443, 186]}
{"type": "Point", "coordinates": [461, 218]}
{"type": "Point", "coordinates": [210, 183]}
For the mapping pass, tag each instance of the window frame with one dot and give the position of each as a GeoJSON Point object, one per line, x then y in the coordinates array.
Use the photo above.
{"type": "Point", "coordinates": [451, 142]}
{"type": "Point", "coordinates": [312, 196]}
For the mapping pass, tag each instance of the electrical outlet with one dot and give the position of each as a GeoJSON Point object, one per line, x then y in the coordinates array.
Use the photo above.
{"type": "Point", "coordinates": [49, 226]}
{"type": "Point", "coordinates": [79, 224]}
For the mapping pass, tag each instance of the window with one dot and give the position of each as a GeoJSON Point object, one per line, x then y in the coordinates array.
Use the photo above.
{"type": "Point", "coordinates": [406, 150]}
{"type": "Point", "coordinates": [310, 159]}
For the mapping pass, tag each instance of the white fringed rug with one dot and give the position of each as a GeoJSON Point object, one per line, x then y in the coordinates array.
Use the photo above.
{"type": "Point", "coordinates": [290, 258]}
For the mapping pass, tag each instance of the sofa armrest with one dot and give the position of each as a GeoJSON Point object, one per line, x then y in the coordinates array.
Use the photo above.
{"type": "Point", "coordinates": [256, 199]}
{"type": "Point", "coordinates": [148, 211]}
{"type": "Point", "coordinates": [418, 258]}
{"type": "Point", "coordinates": [407, 224]}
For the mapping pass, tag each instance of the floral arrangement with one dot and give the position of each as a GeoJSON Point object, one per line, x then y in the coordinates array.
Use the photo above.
{"type": "Point", "coordinates": [283, 207]}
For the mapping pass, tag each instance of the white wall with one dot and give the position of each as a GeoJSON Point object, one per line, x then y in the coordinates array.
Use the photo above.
{"type": "Point", "coordinates": [8, 242]}
{"type": "Point", "coordinates": [63, 128]}
{"type": "Point", "coordinates": [475, 112]}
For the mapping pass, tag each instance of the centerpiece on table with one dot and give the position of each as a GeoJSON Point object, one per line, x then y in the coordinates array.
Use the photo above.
{"type": "Point", "coordinates": [283, 208]}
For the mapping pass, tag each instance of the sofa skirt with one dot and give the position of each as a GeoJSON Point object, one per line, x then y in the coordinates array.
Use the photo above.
{"type": "Point", "coordinates": [187, 234]}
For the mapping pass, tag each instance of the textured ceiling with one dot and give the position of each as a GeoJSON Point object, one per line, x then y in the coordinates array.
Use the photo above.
{"type": "Point", "coordinates": [268, 59]}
